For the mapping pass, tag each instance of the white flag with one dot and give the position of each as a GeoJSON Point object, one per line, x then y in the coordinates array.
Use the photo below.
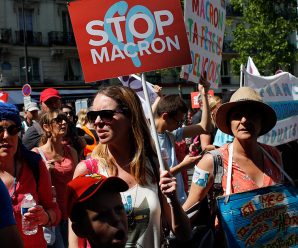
{"type": "Point", "coordinates": [134, 82]}
{"type": "Point", "coordinates": [251, 67]}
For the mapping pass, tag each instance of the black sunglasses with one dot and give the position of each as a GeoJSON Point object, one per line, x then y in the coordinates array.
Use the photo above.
{"type": "Point", "coordinates": [105, 115]}
{"type": "Point", "coordinates": [11, 130]}
{"type": "Point", "coordinates": [59, 119]}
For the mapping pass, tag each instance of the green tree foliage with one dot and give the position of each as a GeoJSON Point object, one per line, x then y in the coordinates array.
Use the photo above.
{"type": "Point", "coordinates": [264, 33]}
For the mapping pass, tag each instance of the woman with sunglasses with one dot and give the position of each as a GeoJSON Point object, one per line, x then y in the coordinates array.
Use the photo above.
{"type": "Point", "coordinates": [126, 150]}
{"type": "Point", "coordinates": [23, 172]}
{"type": "Point", "coordinates": [60, 160]}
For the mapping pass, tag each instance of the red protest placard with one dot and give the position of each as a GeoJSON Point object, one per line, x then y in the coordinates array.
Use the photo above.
{"type": "Point", "coordinates": [117, 38]}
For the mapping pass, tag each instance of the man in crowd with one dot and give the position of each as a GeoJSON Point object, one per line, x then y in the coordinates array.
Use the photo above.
{"type": "Point", "coordinates": [31, 115]}
{"type": "Point", "coordinates": [50, 100]}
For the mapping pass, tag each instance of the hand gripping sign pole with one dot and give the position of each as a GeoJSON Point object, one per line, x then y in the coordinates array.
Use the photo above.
{"type": "Point", "coordinates": [153, 127]}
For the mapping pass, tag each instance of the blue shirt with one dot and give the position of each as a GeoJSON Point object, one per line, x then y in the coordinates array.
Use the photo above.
{"type": "Point", "coordinates": [6, 211]}
{"type": "Point", "coordinates": [166, 143]}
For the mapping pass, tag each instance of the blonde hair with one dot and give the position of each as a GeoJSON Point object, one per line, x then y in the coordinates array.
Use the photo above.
{"type": "Point", "coordinates": [213, 101]}
{"type": "Point", "coordinates": [82, 117]}
{"type": "Point", "coordinates": [140, 136]}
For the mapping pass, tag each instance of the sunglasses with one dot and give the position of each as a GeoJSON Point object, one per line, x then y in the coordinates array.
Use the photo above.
{"type": "Point", "coordinates": [11, 130]}
{"type": "Point", "coordinates": [105, 115]}
{"type": "Point", "coordinates": [59, 119]}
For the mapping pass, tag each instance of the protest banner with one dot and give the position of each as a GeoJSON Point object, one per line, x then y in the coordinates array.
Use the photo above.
{"type": "Point", "coordinates": [265, 218]}
{"type": "Point", "coordinates": [116, 38]}
{"type": "Point", "coordinates": [280, 91]}
{"type": "Point", "coordinates": [205, 26]}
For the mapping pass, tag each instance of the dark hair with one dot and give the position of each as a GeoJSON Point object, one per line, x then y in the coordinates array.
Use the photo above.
{"type": "Point", "coordinates": [171, 104]}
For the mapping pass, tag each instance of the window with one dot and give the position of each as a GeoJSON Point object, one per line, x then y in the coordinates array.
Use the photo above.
{"type": "Point", "coordinates": [28, 18]}
{"type": "Point", "coordinates": [224, 68]}
{"type": "Point", "coordinates": [33, 69]}
{"type": "Point", "coordinates": [72, 70]}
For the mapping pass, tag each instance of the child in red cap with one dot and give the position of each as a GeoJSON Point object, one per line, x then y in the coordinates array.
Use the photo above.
{"type": "Point", "coordinates": [95, 208]}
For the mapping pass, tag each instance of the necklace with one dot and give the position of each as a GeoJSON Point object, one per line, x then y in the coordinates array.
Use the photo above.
{"type": "Point", "coordinates": [129, 207]}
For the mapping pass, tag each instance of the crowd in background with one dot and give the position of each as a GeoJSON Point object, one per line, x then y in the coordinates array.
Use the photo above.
{"type": "Point", "coordinates": [50, 150]}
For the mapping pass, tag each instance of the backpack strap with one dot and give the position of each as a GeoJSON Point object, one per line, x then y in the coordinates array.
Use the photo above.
{"type": "Point", "coordinates": [218, 169]}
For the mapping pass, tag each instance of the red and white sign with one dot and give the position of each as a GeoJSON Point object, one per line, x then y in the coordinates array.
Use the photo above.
{"type": "Point", "coordinates": [118, 38]}
{"type": "Point", "coordinates": [26, 90]}
{"type": "Point", "coordinates": [196, 99]}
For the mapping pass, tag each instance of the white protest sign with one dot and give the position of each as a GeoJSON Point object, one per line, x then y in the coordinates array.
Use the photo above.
{"type": "Point", "coordinates": [205, 26]}
{"type": "Point", "coordinates": [281, 93]}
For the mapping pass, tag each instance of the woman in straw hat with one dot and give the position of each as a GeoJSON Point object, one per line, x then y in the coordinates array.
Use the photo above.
{"type": "Point", "coordinates": [245, 117]}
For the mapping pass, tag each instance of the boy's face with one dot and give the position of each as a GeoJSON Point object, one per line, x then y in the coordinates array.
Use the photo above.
{"type": "Point", "coordinates": [175, 122]}
{"type": "Point", "coordinates": [106, 222]}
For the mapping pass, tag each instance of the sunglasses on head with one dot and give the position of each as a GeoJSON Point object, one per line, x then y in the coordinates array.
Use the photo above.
{"type": "Point", "coordinates": [59, 119]}
{"type": "Point", "coordinates": [11, 130]}
{"type": "Point", "coordinates": [105, 115]}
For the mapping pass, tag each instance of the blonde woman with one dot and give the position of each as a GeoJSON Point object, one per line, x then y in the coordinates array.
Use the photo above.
{"type": "Point", "coordinates": [125, 150]}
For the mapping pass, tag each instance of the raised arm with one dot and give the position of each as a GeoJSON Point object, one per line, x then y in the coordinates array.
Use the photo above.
{"type": "Point", "coordinates": [205, 126]}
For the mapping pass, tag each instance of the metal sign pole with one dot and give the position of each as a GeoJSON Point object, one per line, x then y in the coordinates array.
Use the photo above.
{"type": "Point", "coordinates": [153, 127]}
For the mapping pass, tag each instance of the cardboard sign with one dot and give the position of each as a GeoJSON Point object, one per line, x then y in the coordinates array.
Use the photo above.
{"type": "Point", "coordinates": [205, 26]}
{"type": "Point", "coordinates": [118, 38]}
{"type": "Point", "coordinates": [196, 100]}
{"type": "Point", "coordinates": [266, 217]}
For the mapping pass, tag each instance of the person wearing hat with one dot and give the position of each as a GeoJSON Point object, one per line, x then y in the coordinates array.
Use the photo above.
{"type": "Point", "coordinates": [23, 172]}
{"type": "Point", "coordinates": [246, 117]}
{"type": "Point", "coordinates": [95, 208]}
{"type": "Point", "coordinates": [50, 101]}
{"type": "Point", "coordinates": [31, 115]}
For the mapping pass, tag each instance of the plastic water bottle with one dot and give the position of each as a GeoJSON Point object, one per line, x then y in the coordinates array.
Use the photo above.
{"type": "Point", "coordinates": [28, 202]}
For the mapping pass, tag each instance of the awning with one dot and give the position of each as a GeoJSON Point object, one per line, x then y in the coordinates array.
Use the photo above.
{"type": "Point", "coordinates": [16, 97]}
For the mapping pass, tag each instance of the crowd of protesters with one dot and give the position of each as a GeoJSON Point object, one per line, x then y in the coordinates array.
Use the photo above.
{"type": "Point", "coordinates": [95, 175]}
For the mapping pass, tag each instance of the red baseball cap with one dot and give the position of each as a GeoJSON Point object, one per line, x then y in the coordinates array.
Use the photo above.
{"type": "Point", "coordinates": [86, 185]}
{"type": "Point", "coordinates": [49, 93]}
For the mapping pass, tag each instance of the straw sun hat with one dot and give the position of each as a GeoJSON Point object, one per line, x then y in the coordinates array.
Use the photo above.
{"type": "Point", "coordinates": [242, 97]}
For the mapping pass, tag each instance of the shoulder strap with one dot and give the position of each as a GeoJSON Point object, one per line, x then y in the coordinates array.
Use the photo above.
{"type": "Point", "coordinates": [91, 165]}
{"type": "Point", "coordinates": [218, 168]}
{"type": "Point", "coordinates": [41, 153]}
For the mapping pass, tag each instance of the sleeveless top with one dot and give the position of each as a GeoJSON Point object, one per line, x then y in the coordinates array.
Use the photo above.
{"type": "Point", "coordinates": [142, 202]}
{"type": "Point", "coordinates": [241, 182]}
{"type": "Point", "coordinates": [61, 174]}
